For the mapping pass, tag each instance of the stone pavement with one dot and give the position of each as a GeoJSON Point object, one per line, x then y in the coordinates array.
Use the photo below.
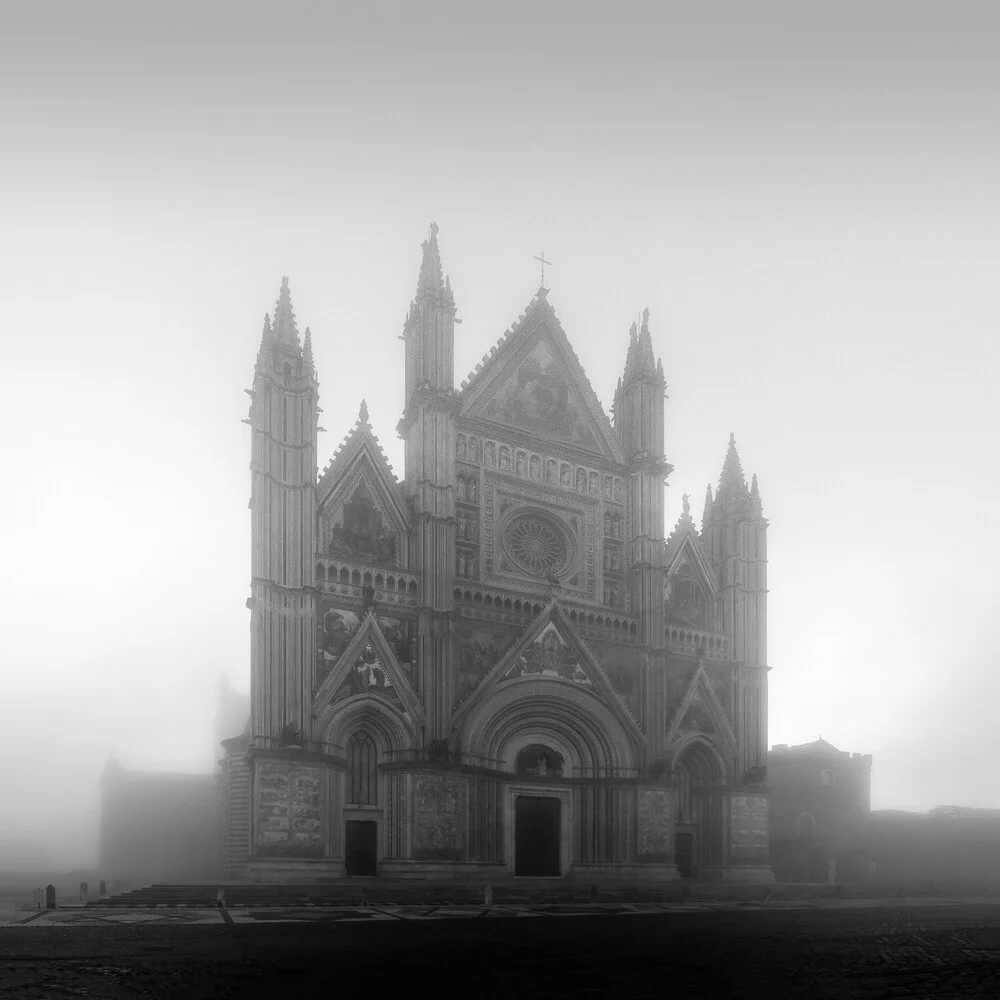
{"type": "Point", "coordinates": [821, 950]}
{"type": "Point", "coordinates": [69, 917]}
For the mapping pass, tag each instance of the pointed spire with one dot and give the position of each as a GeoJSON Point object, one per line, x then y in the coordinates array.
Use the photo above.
{"type": "Point", "coordinates": [285, 330]}
{"type": "Point", "coordinates": [755, 505]}
{"type": "Point", "coordinates": [363, 414]}
{"type": "Point", "coordinates": [431, 280]}
{"type": "Point", "coordinates": [639, 362]}
{"type": "Point", "coordinates": [647, 365]}
{"type": "Point", "coordinates": [732, 483]}
{"type": "Point", "coordinates": [706, 516]}
{"type": "Point", "coordinates": [307, 352]}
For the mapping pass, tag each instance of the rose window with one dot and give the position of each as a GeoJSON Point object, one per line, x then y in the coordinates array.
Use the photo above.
{"type": "Point", "coordinates": [537, 544]}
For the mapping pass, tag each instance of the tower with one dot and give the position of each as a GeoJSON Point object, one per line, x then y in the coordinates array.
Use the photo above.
{"type": "Point", "coordinates": [428, 430]}
{"type": "Point", "coordinates": [734, 534]}
{"type": "Point", "coordinates": [283, 421]}
{"type": "Point", "coordinates": [638, 421]}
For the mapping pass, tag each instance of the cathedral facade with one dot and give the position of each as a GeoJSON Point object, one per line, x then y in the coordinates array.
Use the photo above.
{"type": "Point", "coordinates": [499, 664]}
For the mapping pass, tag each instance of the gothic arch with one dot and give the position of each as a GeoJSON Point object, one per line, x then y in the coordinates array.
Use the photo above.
{"type": "Point", "coordinates": [574, 722]}
{"type": "Point", "coordinates": [390, 730]}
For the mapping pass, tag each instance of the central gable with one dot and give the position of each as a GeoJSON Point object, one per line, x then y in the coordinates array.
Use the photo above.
{"type": "Point", "coordinates": [534, 383]}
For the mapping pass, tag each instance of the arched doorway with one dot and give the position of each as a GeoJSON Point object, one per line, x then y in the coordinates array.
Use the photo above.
{"type": "Point", "coordinates": [699, 816]}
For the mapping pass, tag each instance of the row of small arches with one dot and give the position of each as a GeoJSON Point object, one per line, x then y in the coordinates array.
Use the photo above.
{"type": "Point", "coordinates": [518, 606]}
{"type": "Point", "coordinates": [356, 578]}
{"type": "Point", "coordinates": [694, 638]}
{"type": "Point", "coordinates": [524, 464]}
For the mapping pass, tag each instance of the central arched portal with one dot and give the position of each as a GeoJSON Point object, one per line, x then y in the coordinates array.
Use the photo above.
{"type": "Point", "coordinates": [700, 816]}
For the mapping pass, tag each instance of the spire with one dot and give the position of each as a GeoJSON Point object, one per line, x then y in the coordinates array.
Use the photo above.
{"type": "Point", "coordinates": [755, 505]}
{"type": "Point", "coordinates": [431, 281]}
{"type": "Point", "coordinates": [363, 414]}
{"type": "Point", "coordinates": [307, 352]}
{"type": "Point", "coordinates": [639, 362]}
{"type": "Point", "coordinates": [285, 331]}
{"type": "Point", "coordinates": [706, 516]}
{"type": "Point", "coordinates": [647, 366]}
{"type": "Point", "coordinates": [732, 483]}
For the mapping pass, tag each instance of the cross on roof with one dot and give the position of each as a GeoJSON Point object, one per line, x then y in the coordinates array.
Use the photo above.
{"type": "Point", "coordinates": [541, 260]}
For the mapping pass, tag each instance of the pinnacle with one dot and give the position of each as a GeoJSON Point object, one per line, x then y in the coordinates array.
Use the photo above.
{"type": "Point", "coordinates": [755, 504]}
{"type": "Point", "coordinates": [307, 350]}
{"type": "Point", "coordinates": [363, 413]}
{"type": "Point", "coordinates": [431, 279]}
{"type": "Point", "coordinates": [706, 516]}
{"type": "Point", "coordinates": [639, 362]}
{"type": "Point", "coordinates": [732, 482]}
{"type": "Point", "coordinates": [284, 328]}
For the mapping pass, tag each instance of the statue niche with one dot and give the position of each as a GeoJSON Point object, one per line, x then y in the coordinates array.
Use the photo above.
{"type": "Point", "coordinates": [361, 534]}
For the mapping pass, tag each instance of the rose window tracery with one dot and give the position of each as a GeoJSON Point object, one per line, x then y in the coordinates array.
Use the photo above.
{"type": "Point", "coordinates": [537, 544]}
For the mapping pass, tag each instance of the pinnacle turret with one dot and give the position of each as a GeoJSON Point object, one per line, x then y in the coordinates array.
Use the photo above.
{"type": "Point", "coordinates": [432, 283]}
{"type": "Point", "coordinates": [732, 482]}
{"type": "Point", "coordinates": [307, 352]}
{"type": "Point", "coordinates": [363, 414]}
{"type": "Point", "coordinates": [640, 362]}
{"type": "Point", "coordinates": [755, 504]}
{"type": "Point", "coordinates": [285, 330]}
{"type": "Point", "coordinates": [706, 516]}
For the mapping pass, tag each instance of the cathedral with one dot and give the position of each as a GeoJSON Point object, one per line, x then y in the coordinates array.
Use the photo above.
{"type": "Point", "coordinates": [497, 665]}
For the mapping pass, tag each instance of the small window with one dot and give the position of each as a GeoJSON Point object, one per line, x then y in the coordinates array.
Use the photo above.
{"type": "Point", "coordinates": [827, 778]}
{"type": "Point", "coordinates": [805, 826]}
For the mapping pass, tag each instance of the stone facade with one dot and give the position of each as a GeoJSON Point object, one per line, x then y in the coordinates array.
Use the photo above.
{"type": "Point", "coordinates": [497, 664]}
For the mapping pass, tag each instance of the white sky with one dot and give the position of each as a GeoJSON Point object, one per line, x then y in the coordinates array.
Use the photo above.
{"type": "Point", "coordinates": [806, 201]}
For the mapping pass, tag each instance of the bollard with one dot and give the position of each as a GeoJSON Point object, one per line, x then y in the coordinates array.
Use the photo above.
{"type": "Point", "coordinates": [50, 897]}
{"type": "Point", "coordinates": [103, 888]}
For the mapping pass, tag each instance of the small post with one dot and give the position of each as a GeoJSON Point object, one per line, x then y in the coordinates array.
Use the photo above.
{"type": "Point", "coordinates": [50, 897]}
{"type": "Point", "coordinates": [103, 888]}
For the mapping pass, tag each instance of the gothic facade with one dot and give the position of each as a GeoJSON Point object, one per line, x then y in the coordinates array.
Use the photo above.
{"type": "Point", "coordinates": [497, 664]}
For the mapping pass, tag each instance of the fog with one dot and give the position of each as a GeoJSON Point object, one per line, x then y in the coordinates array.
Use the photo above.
{"type": "Point", "coordinates": [806, 202]}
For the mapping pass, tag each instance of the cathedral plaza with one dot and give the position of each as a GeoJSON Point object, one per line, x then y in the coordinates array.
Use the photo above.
{"type": "Point", "coordinates": [499, 665]}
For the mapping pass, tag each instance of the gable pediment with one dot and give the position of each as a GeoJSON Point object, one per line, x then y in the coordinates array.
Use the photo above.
{"type": "Point", "coordinates": [550, 650]}
{"type": "Point", "coordinates": [368, 667]}
{"type": "Point", "coordinates": [534, 383]}
{"type": "Point", "coordinates": [701, 712]}
{"type": "Point", "coordinates": [360, 516]}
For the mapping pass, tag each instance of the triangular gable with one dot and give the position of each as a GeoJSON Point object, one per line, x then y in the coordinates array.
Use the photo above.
{"type": "Point", "coordinates": [684, 543]}
{"type": "Point", "coordinates": [551, 650]}
{"type": "Point", "coordinates": [369, 667]}
{"type": "Point", "coordinates": [701, 711]}
{"type": "Point", "coordinates": [534, 381]}
{"type": "Point", "coordinates": [360, 473]}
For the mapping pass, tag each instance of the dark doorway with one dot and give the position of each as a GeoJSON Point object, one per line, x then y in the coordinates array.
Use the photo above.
{"type": "Point", "coordinates": [361, 847]}
{"type": "Point", "coordinates": [683, 851]}
{"type": "Point", "coordinates": [536, 835]}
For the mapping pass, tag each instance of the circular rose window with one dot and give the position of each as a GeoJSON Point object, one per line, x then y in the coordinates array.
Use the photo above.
{"type": "Point", "coordinates": [536, 543]}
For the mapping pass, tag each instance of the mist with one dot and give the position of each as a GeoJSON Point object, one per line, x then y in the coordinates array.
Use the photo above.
{"type": "Point", "coordinates": [805, 199]}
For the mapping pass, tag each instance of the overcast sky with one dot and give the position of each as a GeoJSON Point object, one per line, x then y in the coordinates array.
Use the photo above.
{"type": "Point", "coordinates": [804, 195]}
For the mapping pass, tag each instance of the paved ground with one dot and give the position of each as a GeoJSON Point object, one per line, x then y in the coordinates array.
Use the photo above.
{"type": "Point", "coordinates": [899, 950]}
